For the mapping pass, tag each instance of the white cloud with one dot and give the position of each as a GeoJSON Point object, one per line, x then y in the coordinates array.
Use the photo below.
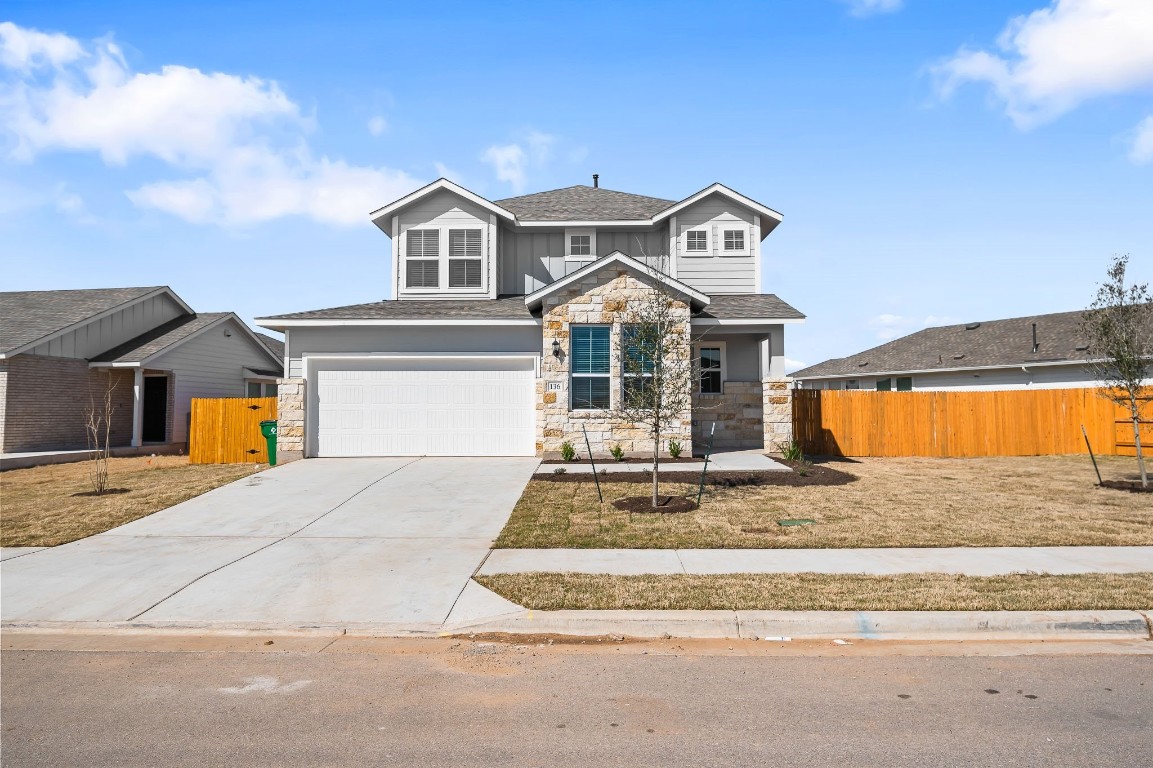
{"type": "Point", "coordinates": [512, 163]}
{"type": "Point", "coordinates": [794, 365]}
{"type": "Point", "coordinates": [377, 125]}
{"type": "Point", "coordinates": [238, 142]}
{"type": "Point", "coordinates": [863, 8]}
{"type": "Point", "coordinates": [25, 49]}
{"type": "Point", "coordinates": [1056, 58]}
{"type": "Point", "coordinates": [1142, 150]}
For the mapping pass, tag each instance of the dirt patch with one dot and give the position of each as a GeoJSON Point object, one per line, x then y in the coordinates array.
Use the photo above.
{"type": "Point", "coordinates": [666, 505]}
{"type": "Point", "coordinates": [814, 475]}
{"type": "Point", "coordinates": [1133, 486]}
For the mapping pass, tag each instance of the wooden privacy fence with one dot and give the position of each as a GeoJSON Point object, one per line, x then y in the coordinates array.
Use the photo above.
{"type": "Point", "coordinates": [226, 430]}
{"type": "Point", "coordinates": [1029, 422]}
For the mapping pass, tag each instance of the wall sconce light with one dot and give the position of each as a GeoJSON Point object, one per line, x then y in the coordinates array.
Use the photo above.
{"type": "Point", "coordinates": [556, 349]}
{"type": "Point", "coordinates": [228, 333]}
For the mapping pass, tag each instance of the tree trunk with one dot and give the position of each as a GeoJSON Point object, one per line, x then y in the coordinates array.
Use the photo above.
{"type": "Point", "coordinates": [656, 464]}
{"type": "Point", "coordinates": [1136, 413]}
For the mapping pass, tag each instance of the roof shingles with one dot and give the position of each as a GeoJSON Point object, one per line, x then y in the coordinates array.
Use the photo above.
{"type": "Point", "coordinates": [159, 338]}
{"type": "Point", "coordinates": [28, 316]}
{"type": "Point", "coordinates": [583, 203]}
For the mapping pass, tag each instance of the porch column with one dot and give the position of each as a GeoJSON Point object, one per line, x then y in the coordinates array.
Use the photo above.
{"type": "Point", "coordinates": [776, 396]}
{"type": "Point", "coordinates": [137, 407]}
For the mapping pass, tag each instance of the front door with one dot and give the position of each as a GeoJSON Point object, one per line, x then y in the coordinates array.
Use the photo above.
{"type": "Point", "coordinates": [155, 409]}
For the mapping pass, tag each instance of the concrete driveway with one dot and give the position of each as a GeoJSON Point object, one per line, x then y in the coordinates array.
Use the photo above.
{"type": "Point", "coordinates": [319, 542]}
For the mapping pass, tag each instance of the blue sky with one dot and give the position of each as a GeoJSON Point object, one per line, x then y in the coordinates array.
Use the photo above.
{"type": "Point", "coordinates": [935, 162]}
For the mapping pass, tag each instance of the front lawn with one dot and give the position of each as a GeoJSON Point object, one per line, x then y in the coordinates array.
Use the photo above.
{"type": "Point", "coordinates": [47, 506]}
{"type": "Point", "coordinates": [905, 502]}
{"type": "Point", "coordinates": [824, 592]}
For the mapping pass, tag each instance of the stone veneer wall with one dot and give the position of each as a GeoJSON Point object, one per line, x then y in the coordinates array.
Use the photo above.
{"type": "Point", "coordinates": [738, 415]}
{"type": "Point", "coordinates": [289, 420]}
{"type": "Point", "coordinates": [605, 299]}
{"type": "Point", "coordinates": [778, 406]}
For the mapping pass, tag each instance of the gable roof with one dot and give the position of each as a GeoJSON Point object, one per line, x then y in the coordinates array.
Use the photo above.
{"type": "Point", "coordinates": [638, 268]}
{"type": "Point", "coordinates": [584, 203]}
{"type": "Point", "coordinates": [275, 346]}
{"type": "Point", "coordinates": [748, 306]}
{"type": "Point", "coordinates": [509, 308]}
{"type": "Point", "coordinates": [381, 216]}
{"type": "Point", "coordinates": [988, 344]}
{"type": "Point", "coordinates": [160, 338]}
{"type": "Point", "coordinates": [29, 317]}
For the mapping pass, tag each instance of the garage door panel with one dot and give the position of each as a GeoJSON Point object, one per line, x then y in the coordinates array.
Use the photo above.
{"type": "Point", "coordinates": [451, 411]}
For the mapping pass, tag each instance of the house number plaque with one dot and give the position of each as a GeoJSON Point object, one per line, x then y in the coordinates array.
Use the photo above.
{"type": "Point", "coordinates": [552, 386]}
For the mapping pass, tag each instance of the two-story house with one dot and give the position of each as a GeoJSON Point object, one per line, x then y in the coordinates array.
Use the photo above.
{"type": "Point", "coordinates": [504, 336]}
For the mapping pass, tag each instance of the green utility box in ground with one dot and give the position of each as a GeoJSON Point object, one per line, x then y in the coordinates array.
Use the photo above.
{"type": "Point", "coordinates": [268, 429]}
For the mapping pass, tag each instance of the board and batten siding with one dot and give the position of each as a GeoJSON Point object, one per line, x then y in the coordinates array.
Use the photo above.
{"type": "Point", "coordinates": [210, 365]}
{"type": "Point", "coordinates": [90, 339]}
{"type": "Point", "coordinates": [532, 260]}
{"type": "Point", "coordinates": [444, 210]}
{"type": "Point", "coordinates": [716, 273]}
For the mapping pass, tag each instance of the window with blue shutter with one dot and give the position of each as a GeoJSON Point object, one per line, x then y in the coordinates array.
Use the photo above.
{"type": "Point", "coordinates": [589, 367]}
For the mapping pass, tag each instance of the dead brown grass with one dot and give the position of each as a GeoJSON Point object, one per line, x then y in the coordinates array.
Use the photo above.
{"type": "Point", "coordinates": [823, 592]}
{"type": "Point", "coordinates": [39, 506]}
{"type": "Point", "coordinates": [906, 502]}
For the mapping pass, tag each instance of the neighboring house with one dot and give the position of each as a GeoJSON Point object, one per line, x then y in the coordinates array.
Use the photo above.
{"type": "Point", "coordinates": [61, 350]}
{"type": "Point", "coordinates": [1038, 352]}
{"type": "Point", "coordinates": [504, 336]}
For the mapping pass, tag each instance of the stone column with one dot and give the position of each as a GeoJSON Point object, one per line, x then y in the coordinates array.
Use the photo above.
{"type": "Point", "coordinates": [778, 408]}
{"type": "Point", "coordinates": [289, 420]}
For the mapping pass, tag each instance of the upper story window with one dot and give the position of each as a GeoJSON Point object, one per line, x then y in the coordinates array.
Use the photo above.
{"type": "Point", "coordinates": [464, 258]}
{"type": "Point", "coordinates": [734, 240]}
{"type": "Point", "coordinates": [422, 258]}
{"type": "Point", "coordinates": [580, 244]}
{"type": "Point", "coordinates": [697, 240]}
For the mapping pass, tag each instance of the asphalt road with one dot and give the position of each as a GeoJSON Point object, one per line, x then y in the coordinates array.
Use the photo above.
{"type": "Point", "coordinates": [466, 702]}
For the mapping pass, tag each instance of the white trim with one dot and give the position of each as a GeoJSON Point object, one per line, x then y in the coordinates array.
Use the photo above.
{"type": "Point", "coordinates": [570, 233]}
{"type": "Point", "coordinates": [721, 189]}
{"type": "Point", "coordinates": [275, 325]}
{"type": "Point", "coordinates": [534, 356]}
{"type": "Point", "coordinates": [443, 256]}
{"type": "Point", "coordinates": [379, 216]}
{"type": "Point", "coordinates": [616, 257]}
{"type": "Point", "coordinates": [164, 289]}
{"type": "Point", "coordinates": [674, 248]}
{"type": "Point", "coordinates": [758, 265]}
{"type": "Point", "coordinates": [138, 408]}
{"type": "Point", "coordinates": [746, 320]}
{"type": "Point", "coordinates": [707, 251]}
{"type": "Point", "coordinates": [724, 364]}
{"type": "Point", "coordinates": [723, 226]}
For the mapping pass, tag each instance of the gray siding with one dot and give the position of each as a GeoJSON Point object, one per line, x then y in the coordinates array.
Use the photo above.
{"type": "Point", "coordinates": [532, 260]}
{"type": "Point", "coordinates": [442, 211]}
{"type": "Point", "coordinates": [401, 338]}
{"type": "Point", "coordinates": [716, 273]}
{"type": "Point", "coordinates": [1055, 377]}
{"type": "Point", "coordinates": [210, 365]}
{"type": "Point", "coordinates": [102, 335]}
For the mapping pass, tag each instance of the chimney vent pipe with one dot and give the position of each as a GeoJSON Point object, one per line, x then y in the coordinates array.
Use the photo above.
{"type": "Point", "coordinates": [596, 180]}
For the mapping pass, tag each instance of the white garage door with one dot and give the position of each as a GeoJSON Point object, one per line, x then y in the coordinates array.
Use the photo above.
{"type": "Point", "coordinates": [465, 407]}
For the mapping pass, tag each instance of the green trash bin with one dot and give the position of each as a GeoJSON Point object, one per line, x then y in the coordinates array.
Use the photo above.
{"type": "Point", "coordinates": [268, 429]}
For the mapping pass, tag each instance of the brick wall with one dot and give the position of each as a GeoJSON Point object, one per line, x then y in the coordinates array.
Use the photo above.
{"type": "Point", "coordinates": [47, 399]}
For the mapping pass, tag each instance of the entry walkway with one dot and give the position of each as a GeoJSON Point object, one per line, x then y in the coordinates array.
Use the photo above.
{"type": "Point", "coordinates": [969, 561]}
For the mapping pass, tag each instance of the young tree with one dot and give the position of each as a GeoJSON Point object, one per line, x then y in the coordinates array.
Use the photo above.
{"type": "Point", "coordinates": [98, 428]}
{"type": "Point", "coordinates": [1119, 329]}
{"type": "Point", "coordinates": [657, 368]}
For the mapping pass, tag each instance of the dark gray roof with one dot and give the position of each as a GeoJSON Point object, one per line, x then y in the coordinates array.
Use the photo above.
{"type": "Point", "coordinates": [28, 316]}
{"type": "Point", "coordinates": [748, 305]}
{"type": "Point", "coordinates": [582, 203]}
{"type": "Point", "coordinates": [159, 338]}
{"type": "Point", "coordinates": [276, 346]}
{"type": "Point", "coordinates": [510, 307]}
{"type": "Point", "coordinates": [992, 343]}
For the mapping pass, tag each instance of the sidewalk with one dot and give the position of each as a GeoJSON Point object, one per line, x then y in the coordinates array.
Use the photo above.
{"type": "Point", "coordinates": [721, 461]}
{"type": "Point", "coordinates": [970, 561]}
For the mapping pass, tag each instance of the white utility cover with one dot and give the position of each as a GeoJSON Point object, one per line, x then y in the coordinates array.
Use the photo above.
{"type": "Point", "coordinates": [457, 407]}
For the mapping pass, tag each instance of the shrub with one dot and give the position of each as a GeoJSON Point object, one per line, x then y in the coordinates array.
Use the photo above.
{"type": "Point", "coordinates": [617, 452]}
{"type": "Point", "coordinates": [559, 471]}
{"type": "Point", "coordinates": [791, 451]}
{"type": "Point", "coordinates": [567, 452]}
{"type": "Point", "coordinates": [675, 449]}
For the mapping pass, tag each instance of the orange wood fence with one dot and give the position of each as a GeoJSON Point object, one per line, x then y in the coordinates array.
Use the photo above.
{"type": "Point", "coordinates": [956, 424]}
{"type": "Point", "coordinates": [226, 430]}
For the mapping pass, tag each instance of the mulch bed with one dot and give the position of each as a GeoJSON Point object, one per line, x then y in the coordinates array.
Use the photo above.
{"type": "Point", "coordinates": [665, 504]}
{"type": "Point", "coordinates": [628, 460]}
{"type": "Point", "coordinates": [1133, 486]}
{"type": "Point", "coordinates": [814, 475]}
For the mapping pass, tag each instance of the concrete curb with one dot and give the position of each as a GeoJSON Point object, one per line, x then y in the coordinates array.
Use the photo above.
{"type": "Point", "coordinates": [753, 625]}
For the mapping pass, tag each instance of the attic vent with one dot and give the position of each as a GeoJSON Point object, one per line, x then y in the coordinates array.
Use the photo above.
{"type": "Point", "coordinates": [972, 326]}
{"type": "Point", "coordinates": [1082, 347]}
{"type": "Point", "coordinates": [958, 357]}
{"type": "Point", "coordinates": [862, 365]}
